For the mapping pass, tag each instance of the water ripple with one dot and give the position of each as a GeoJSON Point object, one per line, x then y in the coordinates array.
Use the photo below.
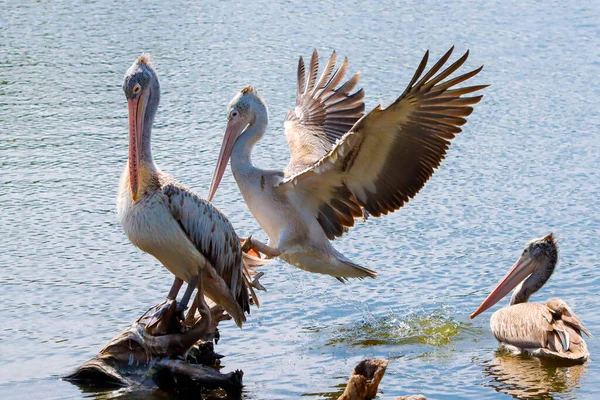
{"type": "Point", "coordinates": [525, 164]}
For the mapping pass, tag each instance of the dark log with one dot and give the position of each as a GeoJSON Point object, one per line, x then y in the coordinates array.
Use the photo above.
{"type": "Point", "coordinates": [170, 355]}
{"type": "Point", "coordinates": [163, 350]}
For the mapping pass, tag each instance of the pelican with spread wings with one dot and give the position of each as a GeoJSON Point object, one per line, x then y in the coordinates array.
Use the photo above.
{"type": "Point", "coordinates": [344, 166]}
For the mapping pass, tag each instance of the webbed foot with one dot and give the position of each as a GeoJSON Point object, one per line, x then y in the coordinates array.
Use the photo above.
{"type": "Point", "coordinates": [255, 283]}
{"type": "Point", "coordinates": [255, 248]}
{"type": "Point", "coordinates": [247, 246]}
{"type": "Point", "coordinates": [158, 319]}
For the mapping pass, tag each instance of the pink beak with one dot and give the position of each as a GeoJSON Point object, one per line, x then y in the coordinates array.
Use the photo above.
{"type": "Point", "coordinates": [521, 270]}
{"type": "Point", "coordinates": [233, 131]}
{"type": "Point", "coordinates": [137, 110]}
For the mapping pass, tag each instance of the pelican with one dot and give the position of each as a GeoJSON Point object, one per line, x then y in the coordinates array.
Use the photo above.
{"type": "Point", "coordinates": [551, 329]}
{"type": "Point", "coordinates": [343, 165]}
{"type": "Point", "coordinates": [160, 216]}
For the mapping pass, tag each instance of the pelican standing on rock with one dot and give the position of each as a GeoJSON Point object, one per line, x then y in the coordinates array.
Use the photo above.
{"type": "Point", "coordinates": [551, 329]}
{"type": "Point", "coordinates": [343, 166]}
{"type": "Point", "coordinates": [189, 236]}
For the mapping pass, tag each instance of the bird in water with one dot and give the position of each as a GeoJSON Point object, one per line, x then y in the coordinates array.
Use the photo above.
{"type": "Point", "coordinates": [344, 166]}
{"type": "Point", "coordinates": [551, 329]}
{"type": "Point", "coordinates": [162, 217]}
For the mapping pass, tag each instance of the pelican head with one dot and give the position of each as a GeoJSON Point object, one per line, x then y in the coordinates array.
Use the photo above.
{"type": "Point", "coordinates": [242, 112]}
{"type": "Point", "coordinates": [536, 262]}
{"type": "Point", "coordinates": [142, 91]}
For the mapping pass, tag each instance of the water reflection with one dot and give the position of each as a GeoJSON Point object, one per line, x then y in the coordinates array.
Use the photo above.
{"type": "Point", "coordinates": [91, 392]}
{"type": "Point", "coordinates": [148, 391]}
{"type": "Point", "coordinates": [335, 392]}
{"type": "Point", "coordinates": [523, 376]}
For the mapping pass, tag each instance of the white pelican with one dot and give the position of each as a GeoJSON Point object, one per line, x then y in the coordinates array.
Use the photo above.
{"type": "Point", "coordinates": [186, 233]}
{"type": "Point", "coordinates": [550, 329]}
{"type": "Point", "coordinates": [343, 165]}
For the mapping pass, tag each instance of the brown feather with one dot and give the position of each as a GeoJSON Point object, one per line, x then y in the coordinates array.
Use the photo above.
{"type": "Point", "coordinates": [325, 75]}
{"type": "Point", "coordinates": [323, 113]}
{"type": "Point", "coordinates": [389, 154]}
{"type": "Point", "coordinates": [541, 329]}
{"type": "Point", "coordinates": [338, 76]}
{"type": "Point", "coordinates": [439, 65]}
{"type": "Point", "coordinates": [313, 69]}
{"type": "Point", "coordinates": [301, 77]}
{"type": "Point", "coordinates": [221, 248]}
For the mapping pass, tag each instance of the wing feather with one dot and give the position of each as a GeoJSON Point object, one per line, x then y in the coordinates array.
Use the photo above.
{"type": "Point", "coordinates": [550, 328]}
{"type": "Point", "coordinates": [324, 112]}
{"type": "Point", "coordinates": [301, 77]}
{"type": "Point", "coordinates": [313, 69]}
{"type": "Point", "coordinates": [325, 75]}
{"type": "Point", "coordinates": [389, 154]}
{"type": "Point", "coordinates": [212, 234]}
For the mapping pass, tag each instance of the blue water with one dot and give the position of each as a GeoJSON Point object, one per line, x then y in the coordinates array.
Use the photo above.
{"type": "Point", "coordinates": [526, 164]}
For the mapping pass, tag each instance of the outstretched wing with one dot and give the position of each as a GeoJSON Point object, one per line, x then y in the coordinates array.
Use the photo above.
{"type": "Point", "coordinates": [389, 154]}
{"type": "Point", "coordinates": [324, 112]}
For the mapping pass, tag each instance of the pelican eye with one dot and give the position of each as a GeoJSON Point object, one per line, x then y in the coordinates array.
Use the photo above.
{"type": "Point", "coordinates": [233, 114]}
{"type": "Point", "coordinates": [136, 88]}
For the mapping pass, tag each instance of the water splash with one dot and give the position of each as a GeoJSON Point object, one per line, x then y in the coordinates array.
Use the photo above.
{"type": "Point", "coordinates": [435, 328]}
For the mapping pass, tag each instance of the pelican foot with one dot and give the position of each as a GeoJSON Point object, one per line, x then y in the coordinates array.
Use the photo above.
{"type": "Point", "coordinates": [180, 314]}
{"type": "Point", "coordinates": [180, 311]}
{"type": "Point", "coordinates": [255, 248]}
{"type": "Point", "coordinates": [255, 283]}
{"type": "Point", "coordinates": [158, 320]}
{"type": "Point", "coordinates": [247, 246]}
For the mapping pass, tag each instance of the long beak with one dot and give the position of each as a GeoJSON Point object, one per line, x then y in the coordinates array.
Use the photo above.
{"type": "Point", "coordinates": [137, 110]}
{"type": "Point", "coordinates": [521, 270]}
{"type": "Point", "coordinates": [233, 131]}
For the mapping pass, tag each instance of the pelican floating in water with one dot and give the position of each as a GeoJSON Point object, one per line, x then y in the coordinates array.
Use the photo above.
{"type": "Point", "coordinates": [550, 329]}
{"type": "Point", "coordinates": [343, 166]}
{"type": "Point", "coordinates": [189, 236]}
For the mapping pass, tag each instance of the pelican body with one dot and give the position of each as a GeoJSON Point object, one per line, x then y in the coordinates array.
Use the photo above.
{"type": "Point", "coordinates": [551, 329]}
{"type": "Point", "coordinates": [344, 166]}
{"type": "Point", "coordinates": [186, 233]}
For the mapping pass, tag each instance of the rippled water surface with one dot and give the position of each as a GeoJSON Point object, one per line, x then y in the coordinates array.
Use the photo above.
{"type": "Point", "coordinates": [526, 164]}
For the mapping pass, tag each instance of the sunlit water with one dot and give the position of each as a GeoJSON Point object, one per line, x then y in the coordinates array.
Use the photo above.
{"type": "Point", "coordinates": [526, 164]}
